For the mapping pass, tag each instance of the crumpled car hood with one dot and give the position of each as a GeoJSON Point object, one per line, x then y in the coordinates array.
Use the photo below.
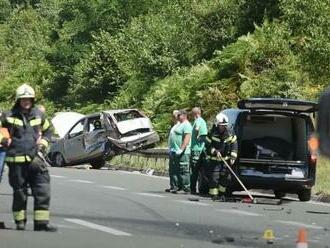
{"type": "Point", "coordinates": [131, 125]}
{"type": "Point", "coordinates": [64, 121]}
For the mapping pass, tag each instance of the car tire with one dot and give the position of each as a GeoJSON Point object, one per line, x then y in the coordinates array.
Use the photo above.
{"type": "Point", "coordinates": [305, 195]}
{"type": "Point", "coordinates": [279, 194]}
{"type": "Point", "coordinates": [97, 163]}
{"type": "Point", "coordinates": [58, 160]}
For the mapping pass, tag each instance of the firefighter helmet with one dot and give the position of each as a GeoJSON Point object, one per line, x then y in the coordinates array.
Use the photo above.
{"type": "Point", "coordinates": [221, 120]}
{"type": "Point", "coordinates": [25, 91]}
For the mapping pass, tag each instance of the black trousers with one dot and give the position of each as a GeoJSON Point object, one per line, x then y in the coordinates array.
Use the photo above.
{"type": "Point", "coordinates": [218, 176]}
{"type": "Point", "coordinates": [35, 175]}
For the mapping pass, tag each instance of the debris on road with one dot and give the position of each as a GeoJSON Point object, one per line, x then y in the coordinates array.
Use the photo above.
{"type": "Point", "coordinates": [193, 199]}
{"type": "Point", "coordinates": [2, 225]}
{"type": "Point", "coordinates": [82, 167]}
{"type": "Point", "coordinates": [218, 241]}
{"type": "Point", "coordinates": [273, 209]}
{"type": "Point", "coordinates": [316, 212]}
{"type": "Point", "coordinates": [229, 239]}
{"type": "Point", "coordinates": [150, 172]}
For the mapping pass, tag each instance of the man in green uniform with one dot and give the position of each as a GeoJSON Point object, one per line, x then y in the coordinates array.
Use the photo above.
{"type": "Point", "coordinates": [172, 149]}
{"type": "Point", "coordinates": [180, 143]}
{"type": "Point", "coordinates": [199, 134]}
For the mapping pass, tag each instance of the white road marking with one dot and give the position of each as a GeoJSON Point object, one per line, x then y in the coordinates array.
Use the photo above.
{"type": "Point", "coordinates": [141, 174]}
{"type": "Point", "coordinates": [299, 224]}
{"type": "Point", "coordinates": [99, 227]}
{"type": "Point", "coordinates": [113, 187]}
{"type": "Point", "coordinates": [193, 203]}
{"type": "Point", "coordinates": [319, 203]}
{"type": "Point", "coordinates": [57, 176]}
{"type": "Point", "coordinates": [151, 195]}
{"type": "Point", "coordinates": [80, 181]}
{"type": "Point", "coordinates": [238, 212]}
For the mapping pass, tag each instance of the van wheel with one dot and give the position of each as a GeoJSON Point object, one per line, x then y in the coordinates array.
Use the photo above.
{"type": "Point", "coordinates": [279, 194]}
{"type": "Point", "coordinates": [58, 160]}
{"type": "Point", "coordinates": [305, 195]}
{"type": "Point", "coordinates": [97, 163]}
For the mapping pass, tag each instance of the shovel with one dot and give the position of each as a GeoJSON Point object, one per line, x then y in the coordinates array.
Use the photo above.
{"type": "Point", "coordinates": [252, 199]}
{"type": "Point", "coordinates": [240, 182]}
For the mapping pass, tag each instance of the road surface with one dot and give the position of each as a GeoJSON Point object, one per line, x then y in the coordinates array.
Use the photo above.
{"type": "Point", "coordinates": [120, 209]}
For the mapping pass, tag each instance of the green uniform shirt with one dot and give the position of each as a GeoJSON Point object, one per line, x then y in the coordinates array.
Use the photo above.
{"type": "Point", "coordinates": [171, 140]}
{"type": "Point", "coordinates": [199, 129]}
{"type": "Point", "coordinates": [177, 135]}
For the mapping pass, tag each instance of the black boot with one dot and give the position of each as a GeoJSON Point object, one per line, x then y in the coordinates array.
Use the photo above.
{"type": "Point", "coordinates": [20, 225]}
{"type": "Point", "coordinates": [45, 228]}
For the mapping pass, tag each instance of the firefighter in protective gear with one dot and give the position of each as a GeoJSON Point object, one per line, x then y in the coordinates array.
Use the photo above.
{"type": "Point", "coordinates": [30, 134]}
{"type": "Point", "coordinates": [220, 145]}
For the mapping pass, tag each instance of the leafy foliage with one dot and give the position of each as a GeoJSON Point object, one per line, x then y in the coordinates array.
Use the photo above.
{"type": "Point", "coordinates": [158, 55]}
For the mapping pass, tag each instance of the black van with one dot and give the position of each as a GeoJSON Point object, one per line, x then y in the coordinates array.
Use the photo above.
{"type": "Point", "coordinates": [273, 139]}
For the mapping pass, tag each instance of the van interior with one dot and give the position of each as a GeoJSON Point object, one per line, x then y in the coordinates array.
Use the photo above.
{"type": "Point", "coordinates": [281, 139]}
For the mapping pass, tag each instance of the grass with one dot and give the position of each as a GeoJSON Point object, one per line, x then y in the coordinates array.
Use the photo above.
{"type": "Point", "coordinates": [140, 163]}
{"type": "Point", "coordinates": [323, 177]}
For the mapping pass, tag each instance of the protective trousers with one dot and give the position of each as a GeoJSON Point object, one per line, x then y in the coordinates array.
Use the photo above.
{"type": "Point", "coordinates": [171, 171]}
{"type": "Point", "coordinates": [179, 172]}
{"type": "Point", "coordinates": [219, 177]}
{"type": "Point", "coordinates": [195, 164]}
{"type": "Point", "coordinates": [35, 175]}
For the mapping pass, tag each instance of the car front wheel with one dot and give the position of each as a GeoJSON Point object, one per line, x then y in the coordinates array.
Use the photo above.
{"type": "Point", "coordinates": [279, 194]}
{"type": "Point", "coordinates": [305, 195]}
{"type": "Point", "coordinates": [97, 163]}
{"type": "Point", "coordinates": [58, 160]}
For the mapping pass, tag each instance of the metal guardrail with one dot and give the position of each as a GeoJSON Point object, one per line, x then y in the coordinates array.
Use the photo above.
{"type": "Point", "coordinates": [149, 158]}
{"type": "Point", "coordinates": [153, 153]}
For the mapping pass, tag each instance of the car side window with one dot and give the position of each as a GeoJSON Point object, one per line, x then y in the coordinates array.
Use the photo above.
{"type": "Point", "coordinates": [77, 130]}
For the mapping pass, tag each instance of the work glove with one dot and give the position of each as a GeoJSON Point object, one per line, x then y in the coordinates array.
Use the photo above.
{"type": "Point", "coordinates": [42, 148]}
{"type": "Point", "coordinates": [179, 152]}
{"type": "Point", "coordinates": [218, 154]}
{"type": "Point", "coordinates": [5, 142]}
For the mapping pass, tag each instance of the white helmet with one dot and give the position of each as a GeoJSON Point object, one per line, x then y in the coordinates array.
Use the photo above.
{"type": "Point", "coordinates": [25, 91]}
{"type": "Point", "coordinates": [221, 120]}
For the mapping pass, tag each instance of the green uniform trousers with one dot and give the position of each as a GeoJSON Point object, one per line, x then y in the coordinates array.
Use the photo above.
{"type": "Point", "coordinates": [179, 172]}
{"type": "Point", "coordinates": [195, 163]}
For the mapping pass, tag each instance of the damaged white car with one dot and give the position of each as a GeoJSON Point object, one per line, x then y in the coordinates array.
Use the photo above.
{"type": "Point", "coordinates": [97, 137]}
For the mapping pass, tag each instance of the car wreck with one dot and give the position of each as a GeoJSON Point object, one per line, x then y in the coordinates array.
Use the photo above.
{"type": "Point", "coordinates": [97, 137]}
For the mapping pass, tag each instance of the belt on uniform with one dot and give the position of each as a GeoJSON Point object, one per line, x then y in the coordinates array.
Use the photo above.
{"type": "Point", "coordinates": [18, 159]}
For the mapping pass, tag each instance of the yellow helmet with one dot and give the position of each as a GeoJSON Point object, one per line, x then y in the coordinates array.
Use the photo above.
{"type": "Point", "coordinates": [25, 91]}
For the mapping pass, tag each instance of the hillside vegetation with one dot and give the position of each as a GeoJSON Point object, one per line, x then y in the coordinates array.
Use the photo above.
{"type": "Point", "coordinates": [158, 55]}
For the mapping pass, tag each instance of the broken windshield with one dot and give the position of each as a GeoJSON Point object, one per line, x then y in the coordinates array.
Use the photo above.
{"type": "Point", "coordinates": [129, 115]}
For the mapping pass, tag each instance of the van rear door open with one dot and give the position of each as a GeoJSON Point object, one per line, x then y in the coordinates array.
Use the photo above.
{"type": "Point", "coordinates": [288, 105]}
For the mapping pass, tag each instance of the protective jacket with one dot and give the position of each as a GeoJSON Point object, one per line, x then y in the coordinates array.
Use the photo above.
{"type": "Point", "coordinates": [25, 131]}
{"type": "Point", "coordinates": [225, 143]}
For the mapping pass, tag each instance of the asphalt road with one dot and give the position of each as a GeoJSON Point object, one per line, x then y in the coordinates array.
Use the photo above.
{"type": "Point", "coordinates": [119, 209]}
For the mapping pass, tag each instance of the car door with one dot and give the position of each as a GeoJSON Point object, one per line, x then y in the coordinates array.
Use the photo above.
{"type": "Point", "coordinates": [95, 138]}
{"type": "Point", "coordinates": [74, 147]}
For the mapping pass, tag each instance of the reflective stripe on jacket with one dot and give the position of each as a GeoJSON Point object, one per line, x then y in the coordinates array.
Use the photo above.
{"type": "Point", "coordinates": [225, 143]}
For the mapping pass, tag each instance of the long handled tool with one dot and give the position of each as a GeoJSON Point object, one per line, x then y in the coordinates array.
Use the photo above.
{"type": "Point", "coordinates": [253, 200]}
{"type": "Point", "coordinates": [240, 182]}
